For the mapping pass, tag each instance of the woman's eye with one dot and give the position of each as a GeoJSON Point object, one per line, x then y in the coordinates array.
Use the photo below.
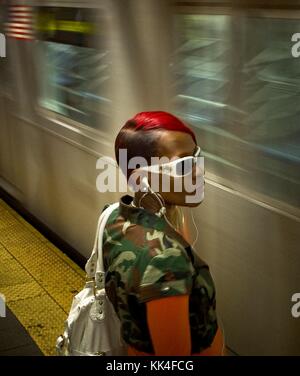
{"type": "Point", "coordinates": [184, 167]}
{"type": "Point", "coordinates": [180, 168]}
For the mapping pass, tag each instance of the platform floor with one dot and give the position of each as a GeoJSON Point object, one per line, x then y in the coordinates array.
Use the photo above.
{"type": "Point", "coordinates": [14, 339]}
{"type": "Point", "coordinates": [38, 282]}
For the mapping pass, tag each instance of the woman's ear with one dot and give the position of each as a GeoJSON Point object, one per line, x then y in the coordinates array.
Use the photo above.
{"type": "Point", "coordinates": [138, 182]}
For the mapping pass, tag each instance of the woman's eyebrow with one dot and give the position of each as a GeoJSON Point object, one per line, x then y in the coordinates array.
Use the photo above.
{"type": "Point", "coordinates": [187, 153]}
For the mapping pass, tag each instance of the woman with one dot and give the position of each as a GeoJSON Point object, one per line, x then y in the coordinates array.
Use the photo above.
{"type": "Point", "coordinates": [161, 290]}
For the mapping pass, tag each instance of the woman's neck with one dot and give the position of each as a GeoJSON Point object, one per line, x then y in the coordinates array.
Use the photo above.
{"type": "Point", "coordinates": [152, 203]}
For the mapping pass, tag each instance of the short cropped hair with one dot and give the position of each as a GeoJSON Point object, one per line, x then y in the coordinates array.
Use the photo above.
{"type": "Point", "coordinates": [139, 135]}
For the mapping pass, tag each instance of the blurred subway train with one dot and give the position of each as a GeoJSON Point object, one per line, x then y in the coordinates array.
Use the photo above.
{"type": "Point", "coordinates": [74, 71]}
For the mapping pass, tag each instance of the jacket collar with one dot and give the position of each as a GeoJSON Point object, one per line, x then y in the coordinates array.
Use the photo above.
{"type": "Point", "coordinates": [148, 219]}
{"type": "Point", "coordinates": [140, 216]}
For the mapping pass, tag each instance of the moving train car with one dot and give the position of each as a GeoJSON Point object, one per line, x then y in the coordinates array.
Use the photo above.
{"type": "Point", "coordinates": [75, 71]}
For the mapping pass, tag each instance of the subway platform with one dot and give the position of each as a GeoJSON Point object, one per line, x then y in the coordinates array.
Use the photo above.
{"type": "Point", "coordinates": [38, 282]}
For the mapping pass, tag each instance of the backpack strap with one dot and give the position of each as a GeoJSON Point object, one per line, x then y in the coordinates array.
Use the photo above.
{"type": "Point", "coordinates": [94, 267]}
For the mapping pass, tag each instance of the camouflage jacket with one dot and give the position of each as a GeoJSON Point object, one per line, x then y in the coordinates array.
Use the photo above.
{"type": "Point", "coordinates": [145, 259]}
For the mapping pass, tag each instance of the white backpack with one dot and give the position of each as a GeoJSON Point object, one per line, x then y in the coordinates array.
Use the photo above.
{"type": "Point", "coordinates": [93, 327]}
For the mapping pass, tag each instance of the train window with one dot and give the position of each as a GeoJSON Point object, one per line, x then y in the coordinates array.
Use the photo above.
{"type": "Point", "coordinates": [73, 64]}
{"type": "Point", "coordinates": [237, 84]}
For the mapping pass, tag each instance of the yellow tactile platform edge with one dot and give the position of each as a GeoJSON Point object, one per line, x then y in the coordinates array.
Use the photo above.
{"type": "Point", "coordinates": [37, 279]}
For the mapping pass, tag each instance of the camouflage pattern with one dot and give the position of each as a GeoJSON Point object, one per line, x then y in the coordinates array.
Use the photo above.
{"type": "Point", "coordinates": [146, 259]}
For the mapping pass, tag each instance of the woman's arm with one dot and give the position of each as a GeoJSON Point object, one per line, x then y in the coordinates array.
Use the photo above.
{"type": "Point", "coordinates": [168, 322]}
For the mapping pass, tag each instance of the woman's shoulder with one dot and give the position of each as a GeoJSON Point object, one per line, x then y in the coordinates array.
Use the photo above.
{"type": "Point", "coordinates": [144, 231]}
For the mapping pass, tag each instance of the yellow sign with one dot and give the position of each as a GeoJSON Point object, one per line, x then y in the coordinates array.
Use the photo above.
{"type": "Point", "coordinates": [46, 23]}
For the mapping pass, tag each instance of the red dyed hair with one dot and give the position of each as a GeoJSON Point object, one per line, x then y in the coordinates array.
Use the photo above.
{"type": "Point", "coordinates": [139, 137]}
{"type": "Point", "coordinates": [146, 121]}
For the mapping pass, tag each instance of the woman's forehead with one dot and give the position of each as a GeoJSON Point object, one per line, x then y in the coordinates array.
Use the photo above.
{"type": "Point", "coordinates": [173, 143]}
